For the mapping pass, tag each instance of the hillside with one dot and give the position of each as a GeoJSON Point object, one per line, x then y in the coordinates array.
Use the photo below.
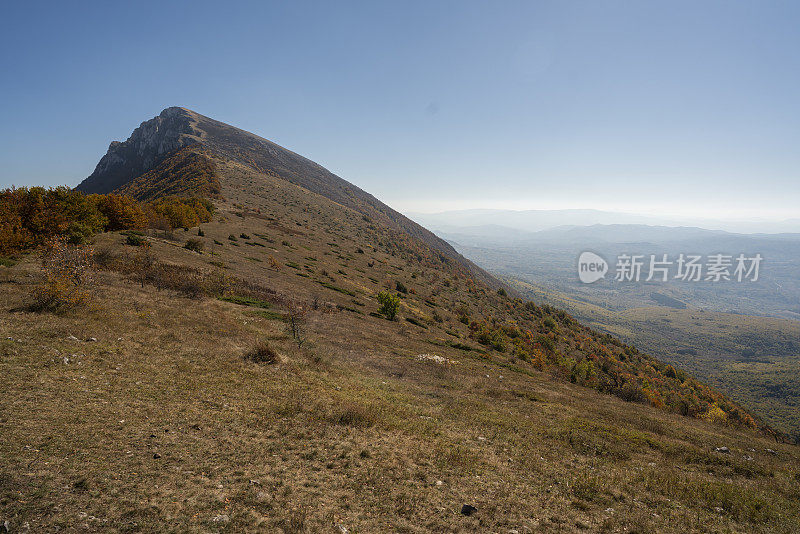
{"type": "Point", "coordinates": [143, 410]}
{"type": "Point", "coordinates": [165, 138]}
{"type": "Point", "coordinates": [753, 359]}
{"type": "Point", "coordinates": [741, 337]}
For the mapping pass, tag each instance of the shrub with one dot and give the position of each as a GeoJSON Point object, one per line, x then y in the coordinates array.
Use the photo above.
{"type": "Point", "coordinates": [244, 236]}
{"type": "Point", "coordinates": [78, 233]}
{"type": "Point", "coordinates": [390, 304]}
{"type": "Point", "coordinates": [135, 240]}
{"type": "Point", "coordinates": [547, 343]}
{"type": "Point", "coordinates": [195, 245]}
{"type": "Point", "coordinates": [273, 263]}
{"type": "Point", "coordinates": [502, 292]}
{"type": "Point", "coordinates": [630, 392]}
{"type": "Point", "coordinates": [400, 287]}
{"type": "Point", "coordinates": [416, 322]}
{"type": "Point", "coordinates": [296, 321]}
{"type": "Point", "coordinates": [66, 271]}
{"type": "Point", "coordinates": [200, 232]}
{"type": "Point", "coordinates": [182, 212]}
{"type": "Point", "coordinates": [262, 353]}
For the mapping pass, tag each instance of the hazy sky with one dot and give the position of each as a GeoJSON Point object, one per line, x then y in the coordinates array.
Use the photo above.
{"type": "Point", "coordinates": [673, 107]}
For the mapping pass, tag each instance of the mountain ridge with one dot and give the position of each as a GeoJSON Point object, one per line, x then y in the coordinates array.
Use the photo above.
{"type": "Point", "coordinates": [162, 138]}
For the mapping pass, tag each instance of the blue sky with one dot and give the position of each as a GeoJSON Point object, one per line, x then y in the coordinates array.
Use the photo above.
{"type": "Point", "coordinates": [674, 108]}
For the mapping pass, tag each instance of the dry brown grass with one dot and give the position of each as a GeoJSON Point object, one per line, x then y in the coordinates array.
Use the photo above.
{"type": "Point", "coordinates": [161, 425]}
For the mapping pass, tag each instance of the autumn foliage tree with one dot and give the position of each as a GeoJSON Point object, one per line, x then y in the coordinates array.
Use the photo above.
{"type": "Point", "coordinates": [31, 216]}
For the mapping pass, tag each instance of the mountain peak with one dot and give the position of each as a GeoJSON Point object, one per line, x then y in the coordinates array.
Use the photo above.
{"type": "Point", "coordinates": [154, 139]}
{"type": "Point", "coordinates": [183, 151]}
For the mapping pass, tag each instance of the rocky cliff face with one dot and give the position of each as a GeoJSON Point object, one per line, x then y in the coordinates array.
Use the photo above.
{"type": "Point", "coordinates": [147, 146]}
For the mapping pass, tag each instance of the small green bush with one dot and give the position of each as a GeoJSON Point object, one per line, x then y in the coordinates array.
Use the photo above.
{"type": "Point", "coordinates": [195, 245]}
{"type": "Point", "coordinates": [135, 240]}
{"type": "Point", "coordinates": [390, 304]}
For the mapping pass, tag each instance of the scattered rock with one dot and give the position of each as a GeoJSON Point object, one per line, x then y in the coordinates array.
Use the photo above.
{"type": "Point", "coordinates": [468, 509]}
{"type": "Point", "coordinates": [222, 519]}
{"type": "Point", "coordinates": [255, 483]}
{"type": "Point", "coordinates": [73, 338]}
{"type": "Point", "coordinates": [439, 483]}
{"type": "Point", "coordinates": [434, 358]}
{"type": "Point", "coordinates": [156, 456]}
{"type": "Point", "coordinates": [747, 458]}
{"type": "Point", "coordinates": [92, 339]}
{"type": "Point", "coordinates": [770, 451]}
{"type": "Point", "coordinates": [6, 526]}
{"type": "Point", "coordinates": [341, 528]}
{"type": "Point", "coordinates": [723, 450]}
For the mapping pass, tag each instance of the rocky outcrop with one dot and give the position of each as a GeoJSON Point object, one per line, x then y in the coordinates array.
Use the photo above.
{"type": "Point", "coordinates": [147, 146]}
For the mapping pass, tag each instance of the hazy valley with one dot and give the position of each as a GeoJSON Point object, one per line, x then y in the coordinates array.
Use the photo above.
{"type": "Point", "coordinates": [743, 337]}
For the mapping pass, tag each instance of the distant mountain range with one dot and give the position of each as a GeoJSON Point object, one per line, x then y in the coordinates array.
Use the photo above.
{"type": "Point", "coordinates": [537, 220]}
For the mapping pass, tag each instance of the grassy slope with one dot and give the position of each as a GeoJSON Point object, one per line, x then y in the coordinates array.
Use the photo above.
{"type": "Point", "coordinates": [353, 429]}
{"type": "Point", "coordinates": [762, 380]}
